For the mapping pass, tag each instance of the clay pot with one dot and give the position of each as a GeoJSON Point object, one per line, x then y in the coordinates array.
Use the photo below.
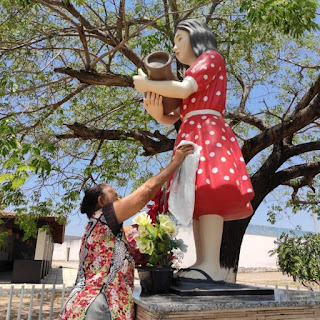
{"type": "Point", "coordinates": [158, 65]}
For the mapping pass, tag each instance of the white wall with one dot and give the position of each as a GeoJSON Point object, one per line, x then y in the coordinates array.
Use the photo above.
{"type": "Point", "coordinates": [253, 254]}
{"type": "Point", "coordinates": [60, 252]}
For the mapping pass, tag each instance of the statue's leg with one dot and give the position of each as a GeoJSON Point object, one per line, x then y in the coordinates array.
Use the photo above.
{"type": "Point", "coordinates": [210, 232]}
{"type": "Point", "coordinates": [197, 242]}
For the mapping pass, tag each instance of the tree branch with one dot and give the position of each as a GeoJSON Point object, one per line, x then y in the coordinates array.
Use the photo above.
{"type": "Point", "coordinates": [288, 127]}
{"type": "Point", "coordinates": [150, 145]}
{"type": "Point", "coordinates": [94, 78]}
{"type": "Point", "coordinates": [250, 119]}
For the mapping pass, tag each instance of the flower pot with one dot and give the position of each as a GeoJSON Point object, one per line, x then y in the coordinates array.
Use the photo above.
{"type": "Point", "coordinates": [155, 280]}
{"type": "Point", "coordinates": [158, 65]}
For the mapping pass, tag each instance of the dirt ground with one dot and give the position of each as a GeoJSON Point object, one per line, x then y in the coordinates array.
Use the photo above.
{"type": "Point", "coordinates": [271, 278]}
{"type": "Point", "coordinates": [46, 309]}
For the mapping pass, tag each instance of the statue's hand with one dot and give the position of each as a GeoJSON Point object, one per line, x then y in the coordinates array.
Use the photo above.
{"type": "Point", "coordinates": [153, 101]}
{"type": "Point", "coordinates": [140, 81]}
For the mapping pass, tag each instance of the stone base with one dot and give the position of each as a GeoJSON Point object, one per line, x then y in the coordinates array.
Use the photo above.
{"type": "Point", "coordinates": [253, 307]}
{"type": "Point", "coordinates": [218, 289]}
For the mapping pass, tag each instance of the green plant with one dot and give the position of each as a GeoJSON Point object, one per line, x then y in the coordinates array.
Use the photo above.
{"type": "Point", "coordinates": [299, 257]}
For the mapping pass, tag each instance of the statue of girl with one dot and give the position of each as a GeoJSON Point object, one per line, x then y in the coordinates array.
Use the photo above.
{"type": "Point", "coordinates": [223, 189]}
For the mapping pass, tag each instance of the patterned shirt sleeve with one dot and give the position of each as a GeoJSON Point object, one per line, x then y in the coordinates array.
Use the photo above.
{"type": "Point", "coordinates": [205, 69]}
{"type": "Point", "coordinates": [111, 219]}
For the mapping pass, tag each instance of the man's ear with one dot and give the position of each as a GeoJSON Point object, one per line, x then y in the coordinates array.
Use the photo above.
{"type": "Point", "coordinates": [100, 202]}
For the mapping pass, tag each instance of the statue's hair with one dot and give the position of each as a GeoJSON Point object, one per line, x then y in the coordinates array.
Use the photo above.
{"type": "Point", "coordinates": [201, 37]}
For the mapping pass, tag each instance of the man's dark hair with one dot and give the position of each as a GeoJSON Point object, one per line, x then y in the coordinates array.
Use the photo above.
{"type": "Point", "coordinates": [90, 199]}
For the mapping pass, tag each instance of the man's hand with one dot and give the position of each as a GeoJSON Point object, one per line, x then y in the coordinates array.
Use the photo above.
{"type": "Point", "coordinates": [182, 152]}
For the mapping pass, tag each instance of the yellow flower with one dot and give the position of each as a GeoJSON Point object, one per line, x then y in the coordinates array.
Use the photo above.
{"type": "Point", "coordinates": [145, 246]}
{"type": "Point", "coordinates": [167, 224]}
{"type": "Point", "coordinates": [143, 232]}
{"type": "Point", "coordinates": [142, 219]}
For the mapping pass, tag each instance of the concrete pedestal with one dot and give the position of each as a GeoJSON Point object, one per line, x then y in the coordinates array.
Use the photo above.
{"type": "Point", "coordinates": [284, 305]}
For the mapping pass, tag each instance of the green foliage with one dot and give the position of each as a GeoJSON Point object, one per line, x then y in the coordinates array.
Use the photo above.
{"type": "Point", "coordinates": [299, 257]}
{"type": "Point", "coordinates": [43, 172]}
{"type": "Point", "coordinates": [292, 17]}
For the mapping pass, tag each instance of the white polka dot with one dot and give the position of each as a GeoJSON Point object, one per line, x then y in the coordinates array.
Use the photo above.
{"type": "Point", "coordinates": [231, 170]}
{"type": "Point", "coordinates": [212, 65]}
{"type": "Point", "coordinates": [193, 100]}
{"type": "Point", "coordinates": [228, 152]}
{"type": "Point", "coordinates": [249, 190]}
{"type": "Point", "coordinates": [223, 138]}
{"type": "Point", "coordinates": [204, 67]}
{"type": "Point", "coordinates": [204, 117]}
{"type": "Point", "coordinates": [187, 135]}
{"type": "Point", "coordinates": [233, 139]}
{"type": "Point", "coordinates": [223, 130]}
{"type": "Point", "coordinates": [193, 70]}
{"type": "Point", "coordinates": [231, 149]}
{"type": "Point", "coordinates": [183, 135]}
{"type": "Point", "coordinates": [226, 178]}
{"type": "Point", "coordinates": [226, 125]}
{"type": "Point", "coordinates": [241, 159]}
{"type": "Point", "coordinates": [213, 123]}
{"type": "Point", "coordinates": [202, 159]}
{"type": "Point", "coordinates": [211, 56]}
{"type": "Point", "coordinates": [200, 148]}
{"type": "Point", "coordinates": [207, 86]}
{"type": "Point", "coordinates": [223, 159]}
{"type": "Point", "coordinates": [213, 77]}
{"type": "Point", "coordinates": [215, 170]}
{"type": "Point", "coordinates": [244, 178]}
{"type": "Point", "coordinates": [218, 93]}
{"type": "Point", "coordinates": [248, 205]}
{"type": "Point", "coordinates": [205, 98]}
{"type": "Point", "coordinates": [219, 68]}
{"type": "Point", "coordinates": [200, 171]}
{"type": "Point", "coordinates": [199, 126]}
{"type": "Point", "coordinates": [237, 182]}
{"type": "Point", "coordinates": [191, 122]}
{"type": "Point", "coordinates": [221, 77]}
{"type": "Point", "coordinates": [219, 145]}
{"type": "Point", "coordinates": [212, 154]}
{"type": "Point", "coordinates": [235, 165]}
{"type": "Point", "coordinates": [196, 136]}
{"type": "Point", "coordinates": [215, 117]}
{"type": "Point", "coordinates": [211, 133]}
{"type": "Point", "coordinates": [205, 77]}
{"type": "Point", "coordinates": [207, 142]}
{"type": "Point", "coordinates": [208, 181]}
{"type": "Point", "coordinates": [185, 107]}
{"type": "Point", "coordinates": [185, 121]}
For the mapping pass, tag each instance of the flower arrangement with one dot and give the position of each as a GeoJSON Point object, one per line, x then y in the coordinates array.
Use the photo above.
{"type": "Point", "coordinates": [152, 241]}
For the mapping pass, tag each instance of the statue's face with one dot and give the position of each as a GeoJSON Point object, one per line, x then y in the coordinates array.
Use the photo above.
{"type": "Point", "coordinates": [182, 48]}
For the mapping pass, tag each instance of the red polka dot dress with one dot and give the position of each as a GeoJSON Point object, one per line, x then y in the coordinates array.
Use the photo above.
{"type": "Point", "coordinates": [223, 186]}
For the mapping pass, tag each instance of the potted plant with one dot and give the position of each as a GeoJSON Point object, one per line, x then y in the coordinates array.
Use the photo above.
{"type": "Point", "coordinates": [155, 248]}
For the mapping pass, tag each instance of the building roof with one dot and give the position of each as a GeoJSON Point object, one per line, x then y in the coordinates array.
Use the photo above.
{"type": "Point", "coordinates": [57, 230]}
{"type": "Point", "coordinates": [271, 231]}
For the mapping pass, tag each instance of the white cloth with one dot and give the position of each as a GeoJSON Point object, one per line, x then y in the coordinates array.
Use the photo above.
{"type": "Point", "coordinates": [182, 188]}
